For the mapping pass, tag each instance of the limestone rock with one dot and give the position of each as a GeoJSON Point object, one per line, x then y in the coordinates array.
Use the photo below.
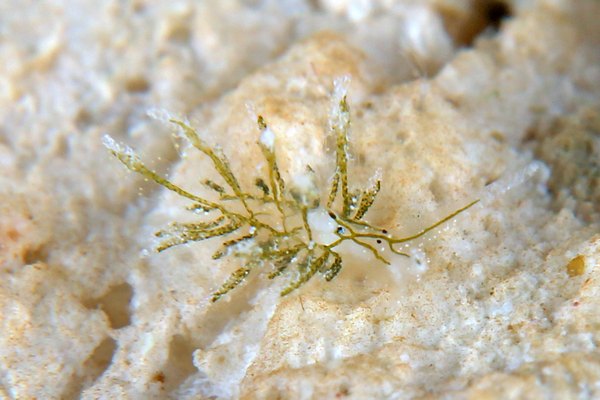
{"type": "Point", "coordinates": [450, 100]}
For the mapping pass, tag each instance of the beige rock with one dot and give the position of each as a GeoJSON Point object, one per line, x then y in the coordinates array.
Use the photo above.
{"type": "Point", "coordinates": [488, 306]}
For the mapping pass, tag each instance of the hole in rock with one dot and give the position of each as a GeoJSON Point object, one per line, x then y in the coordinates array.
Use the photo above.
{"type": "Point", "coordinates": [100, 359]}
{"type": "Point", "coordinates": [179, 365]}
{"type": "Point", "coordinates": [34, 255]}
{"type": "Point", "coordinates": [115, 304]}
{"type": "Point", "coordinates": [180, 33]}
{"type": "Point", "coordinates": [83, 118]}
{"type": "Point", "coordinates": [95, 365]}
{"type": "Point", "coordinates": [495, 12]}
{"type": "Point", "coordinates": [483, 16]}
{"type": "Point", "coordinates": [137, 84]}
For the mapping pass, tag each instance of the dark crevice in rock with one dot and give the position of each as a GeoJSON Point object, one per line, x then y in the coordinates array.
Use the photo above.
{"type": "Point", "coordinates": [100, 359]}
{"type": "Point", "coordinates": [179, 365]}
{"type": "Point", "coordinates": [483, 17]}
{"type": "Point", "coordinates": [34, 255]}
{"type": "Point", "coordinates": [115, 304]}
{"type": "Point", "coordinates": [92, 369]}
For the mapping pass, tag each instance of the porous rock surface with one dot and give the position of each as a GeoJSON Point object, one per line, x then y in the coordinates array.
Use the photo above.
{"type": "Point", "coordinates": [451, 100]}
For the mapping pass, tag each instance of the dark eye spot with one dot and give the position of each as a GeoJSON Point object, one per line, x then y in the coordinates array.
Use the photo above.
{"type": "Point", "coordinates": [379, 241]}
